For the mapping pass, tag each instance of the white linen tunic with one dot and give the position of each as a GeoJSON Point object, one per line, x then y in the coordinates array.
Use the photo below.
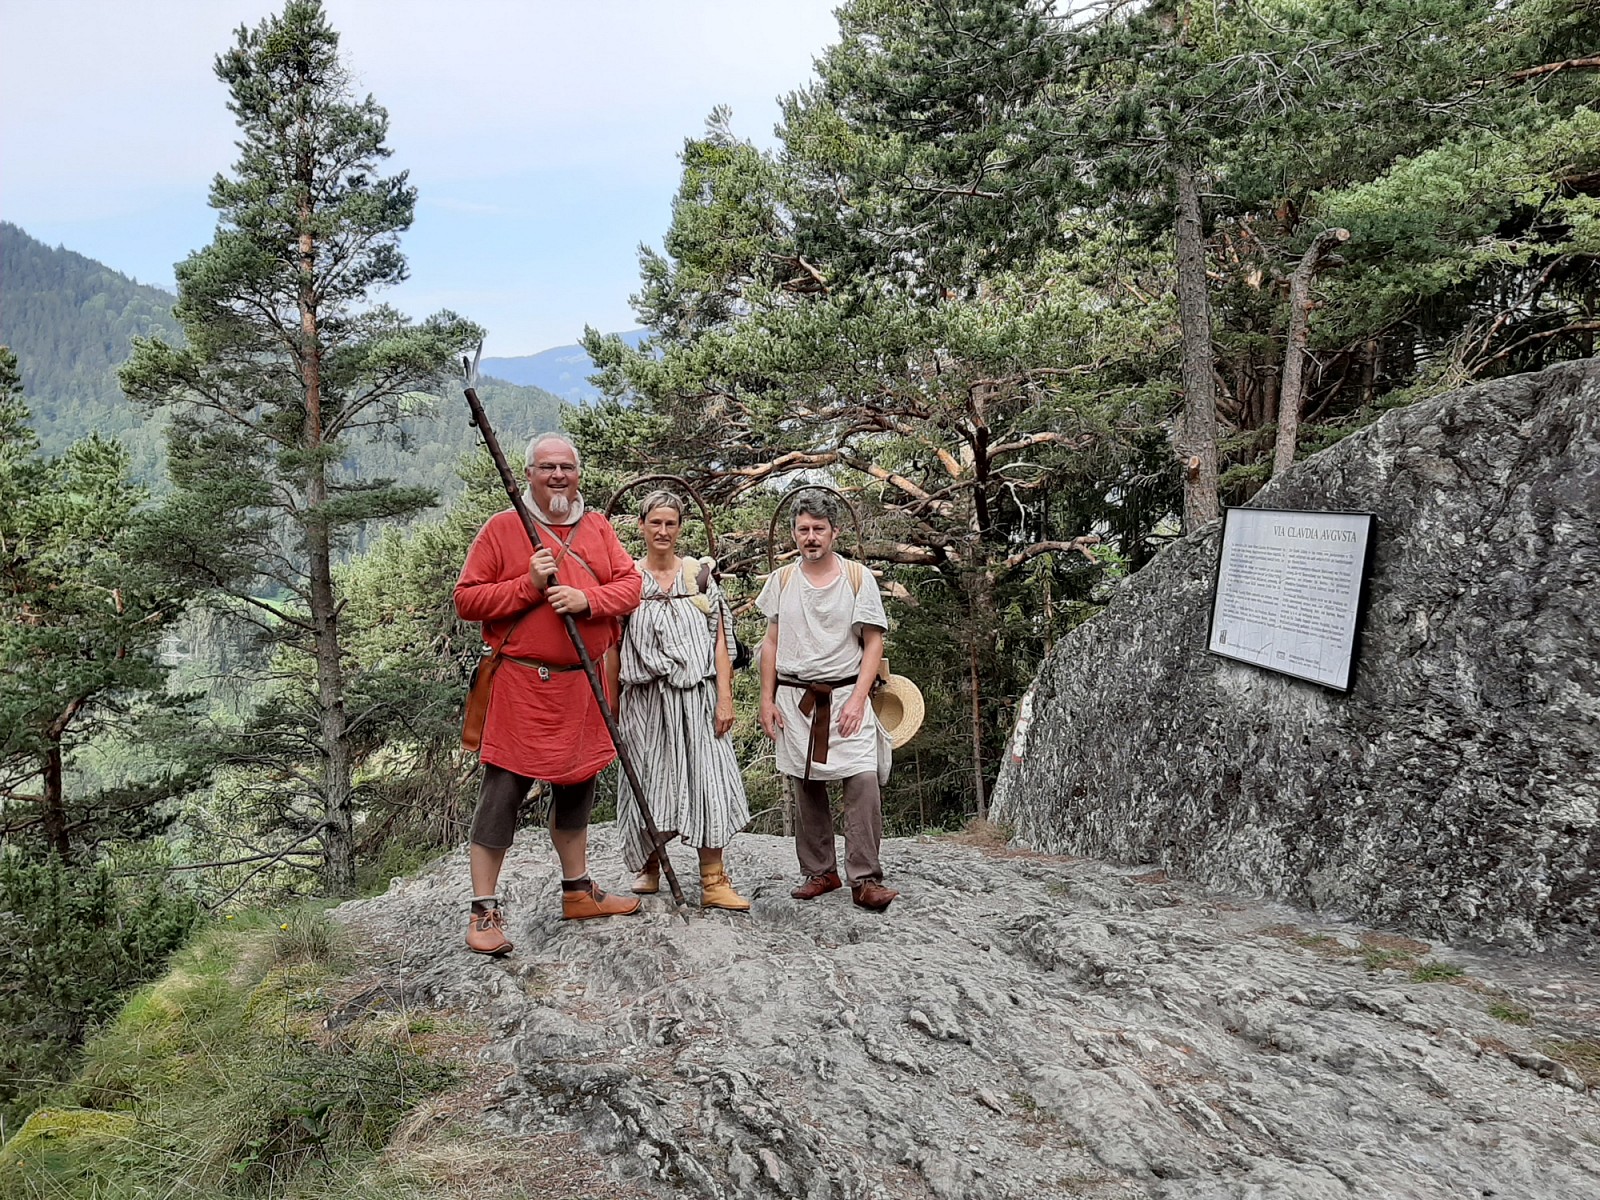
{"type": "Point", "coordinates": [819, 639]}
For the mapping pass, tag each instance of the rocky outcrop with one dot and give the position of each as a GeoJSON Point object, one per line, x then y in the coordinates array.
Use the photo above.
{"type": "Point", "coordinates": [1014, 1026]}
{"type": "Point", "coordinates": [1455, 789]}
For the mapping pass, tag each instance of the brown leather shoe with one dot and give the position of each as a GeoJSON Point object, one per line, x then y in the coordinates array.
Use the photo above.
{"type": "Point", "coordinates": [817, 885]}
{"type": "Point", "coordinates": [647, 882]}
{"type": "Point", "coordinates": [872, 894]}
{"type": "Point", "coordinates": [592, 902]}
{"type": "Point", "coordinates": [486, 933]}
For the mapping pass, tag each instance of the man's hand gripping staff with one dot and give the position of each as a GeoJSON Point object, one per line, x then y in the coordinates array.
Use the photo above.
{"type": "Point", "coordinates": [570, 603]}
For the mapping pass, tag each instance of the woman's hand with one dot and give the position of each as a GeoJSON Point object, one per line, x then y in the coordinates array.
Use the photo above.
{"type": "Point", "coordinates": [724, 718]}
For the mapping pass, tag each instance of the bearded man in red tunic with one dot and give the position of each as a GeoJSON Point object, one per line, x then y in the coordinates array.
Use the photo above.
{"type": "Point", "coordinates": [542, 721]}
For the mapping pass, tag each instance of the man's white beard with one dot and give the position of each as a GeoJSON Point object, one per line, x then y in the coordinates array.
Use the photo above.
{"type": "Point", "coordinates": [565, 508]}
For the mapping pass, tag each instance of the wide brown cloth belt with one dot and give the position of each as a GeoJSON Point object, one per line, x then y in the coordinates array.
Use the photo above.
{"type": "Point", "coordinates": [817, 703]}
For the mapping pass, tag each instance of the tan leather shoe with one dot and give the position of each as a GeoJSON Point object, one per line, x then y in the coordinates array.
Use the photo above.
{"type": "Point", "coordinates": [817, 885]}
{"type": "Point", "coordinates": [486, 933]}
{"type": "Point", "coordinates": [647, 882]}
{"type": "Point", "coordinates": [716, 891]}
{"type": "Point", "coordinates": [592, 902]}
{"type": "Point", "coordinates": [872, 894]}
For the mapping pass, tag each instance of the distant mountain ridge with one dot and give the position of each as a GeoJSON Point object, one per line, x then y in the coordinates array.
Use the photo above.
{"type": "Point", "coordinates": [563, 370]}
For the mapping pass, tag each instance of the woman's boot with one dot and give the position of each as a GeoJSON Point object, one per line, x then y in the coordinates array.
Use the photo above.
{"type": "Point", "coordinates": [716, 889]}
{"type": "Point", "coordinates": [648, 881]}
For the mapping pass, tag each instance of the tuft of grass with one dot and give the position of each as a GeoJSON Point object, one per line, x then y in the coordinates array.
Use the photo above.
{"type": "Point", "coordinates": [1376, 958]}
{"type": "Point", "coordinates": [1377, 951]}
{"type": "Point", "coordinates": [1029, 1107]}
{"type": "Point", "coordinates": [1511, 1014]}
{"type": "Point", "coordinates": [980, 832]}
{"type": "Point", "coordinates": [1581, 1054]}
{"type": "Point", "coordinates": [306, 936]}
{"type": "Point", "coordinates": [1435, 972]}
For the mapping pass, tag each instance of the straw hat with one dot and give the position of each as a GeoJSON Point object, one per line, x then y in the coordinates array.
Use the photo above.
{"type": "Point", "coordinates": [898, 706]}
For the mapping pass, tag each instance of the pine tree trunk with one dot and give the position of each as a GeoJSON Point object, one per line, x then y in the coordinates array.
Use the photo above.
{"type": "Point", "coordinates": [1197, 441]}
{"type": "Point", "coordinates": [1294, 357]}
{"type": "Point", "coordinates": [338, 833]}
{"type": "Point", "coordinates": [54, 813]}
{"type": "Point", "coordinates": [977, 735]}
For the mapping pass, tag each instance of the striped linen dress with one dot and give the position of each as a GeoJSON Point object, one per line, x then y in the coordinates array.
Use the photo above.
{"type": "Point", "coordinates": [669, 701]}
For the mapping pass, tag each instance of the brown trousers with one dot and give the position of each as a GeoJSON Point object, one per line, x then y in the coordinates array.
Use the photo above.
{"type": "Point", "coordinates": [863, 827]}
{"type": "Point", "coordinates": [500, 799]}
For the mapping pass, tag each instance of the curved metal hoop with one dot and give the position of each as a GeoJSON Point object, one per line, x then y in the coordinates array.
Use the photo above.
{"type": "Point", "coordinates": [629, 485]}
{"type": "Point", "coordinates": [772, 526]}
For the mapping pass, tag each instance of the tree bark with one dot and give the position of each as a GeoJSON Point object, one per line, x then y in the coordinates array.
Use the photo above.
{"type": "Point", "coordinates": [1294, 356]}
{"type": "Point", "coordinates": [53, 813]}
{"type": "Point", "coordinates": [1197, 439]}
{"type": "Point", "coordinates": [338, 833]}
{"type": "Point", "coordinates": [53, 801]}
{"type": "Point", "coordinates": [977, 735]}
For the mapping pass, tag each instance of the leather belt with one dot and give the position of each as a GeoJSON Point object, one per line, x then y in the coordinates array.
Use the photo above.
{"type": "Point", "coordinates": [544, 669]}
{"type": "Point", "coordinates": [817, 703]}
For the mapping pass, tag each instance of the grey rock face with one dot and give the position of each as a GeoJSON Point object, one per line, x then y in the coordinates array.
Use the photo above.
{"type": "Point", "coordinates": [1014, 1026]}
{"type": "Point", "coordinates": [1455, 789]}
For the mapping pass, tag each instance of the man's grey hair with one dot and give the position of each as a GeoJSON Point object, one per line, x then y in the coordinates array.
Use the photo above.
{"type": "Point", "coordinates": [814, 502]}
{"type": "Point", "coordinates": [540, 439]}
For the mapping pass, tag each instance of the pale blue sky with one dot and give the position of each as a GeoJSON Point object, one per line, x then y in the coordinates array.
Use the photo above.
{"type": "Point", "coordinates": [542, 134]}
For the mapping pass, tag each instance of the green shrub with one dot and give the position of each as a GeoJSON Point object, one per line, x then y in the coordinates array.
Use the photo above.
{"type": "Point", "coordinates": [73, 941]}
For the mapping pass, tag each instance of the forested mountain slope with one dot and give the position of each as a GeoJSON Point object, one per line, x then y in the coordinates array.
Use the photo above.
{"type": "Point", "coordinates": [71, 321]}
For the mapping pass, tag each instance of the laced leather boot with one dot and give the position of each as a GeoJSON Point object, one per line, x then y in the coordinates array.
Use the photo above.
{"type": "Point", "coordinates": [583, 899]}
{"type": "Point", "coordinates": [716, 890]}
{"type": "Point", "coordinates": [486, 933]}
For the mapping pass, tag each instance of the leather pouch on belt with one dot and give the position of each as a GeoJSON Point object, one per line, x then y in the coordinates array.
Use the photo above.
{"type": "Point", "coordinates": [477, 708]}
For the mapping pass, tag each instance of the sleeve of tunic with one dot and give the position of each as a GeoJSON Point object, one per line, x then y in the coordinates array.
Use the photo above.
{"type": "Point", "coordinates": [619, 596]}
{"type": "Point", "coordinates": [481, 593]}
{"type": "Point", "coordinates": [869, 605]}
{"type": "Point", "coordinates": [767, 601]}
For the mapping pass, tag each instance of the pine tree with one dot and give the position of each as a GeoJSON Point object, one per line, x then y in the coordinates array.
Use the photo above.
{"type": "Point", "coordinates": [81, 618]}
{"type": "Point", "coordinates": [289, 365]}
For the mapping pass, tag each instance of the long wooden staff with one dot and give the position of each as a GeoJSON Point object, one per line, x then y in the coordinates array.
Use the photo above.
{"type": "Point", "coordinates": [481, 420]}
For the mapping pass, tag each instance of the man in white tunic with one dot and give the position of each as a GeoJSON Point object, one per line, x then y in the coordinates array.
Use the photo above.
{"type": "Point", "coordinates": [823, 646]}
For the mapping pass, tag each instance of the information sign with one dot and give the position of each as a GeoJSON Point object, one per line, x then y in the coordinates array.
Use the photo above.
{"type": "Point", "coordinates": [1290, 591]}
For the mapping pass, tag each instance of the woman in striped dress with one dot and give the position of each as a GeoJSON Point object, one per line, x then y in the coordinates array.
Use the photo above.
{"type": "Point", "coordinates": [676, 709]}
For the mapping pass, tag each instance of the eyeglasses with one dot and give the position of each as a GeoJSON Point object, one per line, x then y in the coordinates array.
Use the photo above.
{"type": "Point", "coordinates": [552, 468]}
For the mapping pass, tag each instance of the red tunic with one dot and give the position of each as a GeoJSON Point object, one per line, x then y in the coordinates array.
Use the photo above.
{"type": "Point", "coordinates": [546, 729]}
